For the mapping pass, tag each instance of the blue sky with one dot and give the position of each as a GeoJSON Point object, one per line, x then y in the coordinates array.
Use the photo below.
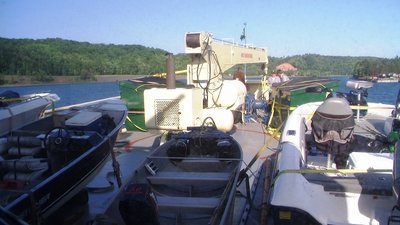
{"type": "Point", "coordinates": [285, 27]}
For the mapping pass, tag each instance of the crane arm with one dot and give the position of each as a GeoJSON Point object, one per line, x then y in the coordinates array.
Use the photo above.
{"type": "Point", "coordinates": [214, 56]}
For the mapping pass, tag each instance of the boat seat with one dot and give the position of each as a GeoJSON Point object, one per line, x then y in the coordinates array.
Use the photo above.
{"type": "Point", "coordinates": [24, 169]}
{"type": "Point", "coordinates": [202, 164]}
{"type": "Point", "coordinates": [24, 145]}
{"type": "Point", "coordinates": [24, 164]}
{"type": "Point", "coordinates": [24, 177]}
{"type": "Point", "coordinates": [192, 178]}
{"type": "Point", "coordinates": [24, 151]}
{"type": "Point", "coordinates": [333, 125]}
{"type": "Point", "coordinates": [187, 204]}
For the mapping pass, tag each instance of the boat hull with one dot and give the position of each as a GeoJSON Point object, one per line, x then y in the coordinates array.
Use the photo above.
{"type": "Point", "coordinates": [306, 190]}
{"type": "Point", "coordinates": [192, 178]}
{"type": "Point", "coordinates": [87, 151]}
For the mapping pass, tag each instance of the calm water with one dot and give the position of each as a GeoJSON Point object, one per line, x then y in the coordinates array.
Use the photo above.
{"type": "Point", "coordinates": [381, 92]}
{"type": "Point", "coordinates": [71, 93]}
{"type": "Point", "coordinates": [83, 92]}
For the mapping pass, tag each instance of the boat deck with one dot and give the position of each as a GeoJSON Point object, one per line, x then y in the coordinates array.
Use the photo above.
{"type": "Point", "coordinates": [370, 184]}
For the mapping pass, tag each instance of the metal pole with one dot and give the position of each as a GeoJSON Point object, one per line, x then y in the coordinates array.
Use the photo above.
{"type": "Point", "coordinates": [245, 44]}
{"type": "Point", "coordinates": [171, 82]}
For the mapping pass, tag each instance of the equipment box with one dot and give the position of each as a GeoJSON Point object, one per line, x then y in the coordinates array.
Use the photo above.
{"type": "Point", "coordinates": [84, 121]}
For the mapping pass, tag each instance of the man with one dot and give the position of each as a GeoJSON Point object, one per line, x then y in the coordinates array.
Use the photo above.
{"type": "Point", "coordinates": [282, 76]}
{"type": "Point", "coordinates": [274, 79]}
{"type": "Point", "coordinates": [239, 75]}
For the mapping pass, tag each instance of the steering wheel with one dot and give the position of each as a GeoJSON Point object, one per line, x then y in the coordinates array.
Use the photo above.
{"type": "Point", "coordinates": [57, 137]}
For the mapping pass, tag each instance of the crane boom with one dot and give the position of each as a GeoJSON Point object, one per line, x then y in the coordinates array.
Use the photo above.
{"type": "Point", "coordinates": [212, 57]}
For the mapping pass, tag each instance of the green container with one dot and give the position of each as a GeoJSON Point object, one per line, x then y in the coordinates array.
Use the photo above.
{"type": "Point", "coordinates": [131, 91]}
{"type": "Point", "coordinates": [291, 94]}
{"type": "Point", "coordinates": [135, 122]}
{"type": "Point", "coordinates": [296, 95]}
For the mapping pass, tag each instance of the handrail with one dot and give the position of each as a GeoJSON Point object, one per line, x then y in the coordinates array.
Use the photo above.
{"type": "Point", "coordinates": [50, 111]}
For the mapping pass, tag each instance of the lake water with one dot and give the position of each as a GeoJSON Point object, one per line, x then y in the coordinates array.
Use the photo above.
{"type": "Point", "coordinates": [82, 92]}
{"type": "Point", "coordinates": [71, 93]}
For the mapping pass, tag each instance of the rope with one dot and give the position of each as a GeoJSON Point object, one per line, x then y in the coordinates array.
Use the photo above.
{"type": "Point", "coordinates": [135, 125]}
{"type": "Point", "coordinates": [14, 99]}
{"type": "Point", "coordinates": [263, 148]}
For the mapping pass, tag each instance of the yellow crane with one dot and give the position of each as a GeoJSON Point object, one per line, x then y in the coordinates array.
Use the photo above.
{"type": "Point", "coordinates": [210, 58]}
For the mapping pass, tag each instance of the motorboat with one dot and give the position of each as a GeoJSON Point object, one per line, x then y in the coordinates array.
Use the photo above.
{"type": "Point", "coordinates": [334, 163]}
{"type": "Point", "coordinates": [17, 110]}
{"type": "Point", "coordinates": [49, 161]}
{"type": "Point", "coordinates": [190, 179]}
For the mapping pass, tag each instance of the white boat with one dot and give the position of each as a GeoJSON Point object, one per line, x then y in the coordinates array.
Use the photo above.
{"type": "Point", "coordinates": [386, 80]}
{"type": "Point", "coordinates": [334, 164]}
{"type": "Point", "coordinates": [17, 111]}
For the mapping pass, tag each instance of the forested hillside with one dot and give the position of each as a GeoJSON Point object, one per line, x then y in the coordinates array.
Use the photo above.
{"type": "Point", "coordinates": [56, 57]}
{"type": "Point", "coordinates": [312, 65]}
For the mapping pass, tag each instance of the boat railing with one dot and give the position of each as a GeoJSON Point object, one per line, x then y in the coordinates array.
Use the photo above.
{"type": "Point", "coordinates": [383, 106]}
{"type": "Point", "coordinates": [50, 111]}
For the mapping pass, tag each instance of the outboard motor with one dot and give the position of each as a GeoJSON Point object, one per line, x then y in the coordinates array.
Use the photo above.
{"type": "Point", "coordinates": [357, 95]}
{"type": "Point", "coordinates": [332, 127]}
{"type": "Point", "coordinates": [137, 205]}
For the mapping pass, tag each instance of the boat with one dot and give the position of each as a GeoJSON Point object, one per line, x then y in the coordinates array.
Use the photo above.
{"type": "Point", "coordinates": [17, 110]}
{"type": "Point", "coordinates": [49, 161]}
{"type": "Point", "coordinates": [386, 80]}
{"type": "Point", "coordinates": [334, 163]}
{"type": "Point", "coordinates": [191, 178]}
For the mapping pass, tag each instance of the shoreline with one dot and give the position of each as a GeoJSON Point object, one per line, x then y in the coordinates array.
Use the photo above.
{"type": "Point", "coordinates": [24, 80]}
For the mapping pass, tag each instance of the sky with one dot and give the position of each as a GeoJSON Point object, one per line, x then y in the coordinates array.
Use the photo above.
{"type": "Point", "coordinates": [284, 27]}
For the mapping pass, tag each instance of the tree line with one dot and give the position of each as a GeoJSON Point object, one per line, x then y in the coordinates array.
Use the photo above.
{"type": "Point", "coordinates": [57, 57]}
{"type": "Point", "coordinates": [314, 65]}
{"type": "Point", "coordinates": [367, 69]}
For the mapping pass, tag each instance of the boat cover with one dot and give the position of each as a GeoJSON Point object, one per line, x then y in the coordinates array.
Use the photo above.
{"type": "Point", "coordinates": [333, 125]}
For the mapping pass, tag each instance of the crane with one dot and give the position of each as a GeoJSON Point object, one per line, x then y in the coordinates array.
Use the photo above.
{"type": "Point", "coordinates": [210, 58]}
{"type": "Point", "coordinates": [211, 97]}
